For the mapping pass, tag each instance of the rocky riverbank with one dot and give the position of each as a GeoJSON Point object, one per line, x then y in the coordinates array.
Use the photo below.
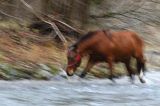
{"type": "Point", "coordinates": [28, 55]}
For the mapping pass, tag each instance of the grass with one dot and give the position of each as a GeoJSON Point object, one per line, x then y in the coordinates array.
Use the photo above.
{"type": "Point", "coordinates": [9, 24]}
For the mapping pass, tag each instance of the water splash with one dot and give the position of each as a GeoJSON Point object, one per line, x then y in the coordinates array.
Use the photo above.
{"type": "Point", "coordinates": [82, 92]}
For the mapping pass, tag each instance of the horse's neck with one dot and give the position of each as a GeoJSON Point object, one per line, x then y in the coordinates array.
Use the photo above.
{"type": "Point", "coordinates": [83, 47]}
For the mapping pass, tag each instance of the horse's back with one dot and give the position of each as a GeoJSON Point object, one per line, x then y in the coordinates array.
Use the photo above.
{"type": "Point", "coordinates": [127, 37]}
{"type": "Point", "coordinates": [127, 43]}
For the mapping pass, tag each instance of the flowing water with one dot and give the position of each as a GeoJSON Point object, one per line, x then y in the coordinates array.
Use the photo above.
{"type": "Point", "coordinates": [82, 92]}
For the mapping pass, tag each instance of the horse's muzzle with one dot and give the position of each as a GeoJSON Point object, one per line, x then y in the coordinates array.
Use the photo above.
{"type": "Point", "coordinates": [69, 72]}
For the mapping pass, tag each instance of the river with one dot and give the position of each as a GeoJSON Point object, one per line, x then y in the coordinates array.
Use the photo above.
{"type": "Point", "coordinates": [82, 92]}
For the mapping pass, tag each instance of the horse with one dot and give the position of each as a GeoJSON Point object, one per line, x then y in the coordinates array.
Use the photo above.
{"type": "Point", "coordinates": [109, 47]}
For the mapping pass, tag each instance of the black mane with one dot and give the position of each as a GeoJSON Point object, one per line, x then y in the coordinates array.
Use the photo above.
{"type": "Point", "coordinates": [92, 33]}
{"type": "Point", "coordinates": [85, 37]}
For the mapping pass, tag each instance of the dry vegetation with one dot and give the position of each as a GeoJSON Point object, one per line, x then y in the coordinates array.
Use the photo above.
{"type": "Point", "coordinates": [27, 51]}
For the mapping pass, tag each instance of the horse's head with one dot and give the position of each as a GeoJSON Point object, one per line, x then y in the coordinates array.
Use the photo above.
{"type": "Point", "coordinates": [74, 60]}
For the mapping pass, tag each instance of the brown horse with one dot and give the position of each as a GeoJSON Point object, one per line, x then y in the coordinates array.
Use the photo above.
{"type": "Point", "coordinates": [109, 47]}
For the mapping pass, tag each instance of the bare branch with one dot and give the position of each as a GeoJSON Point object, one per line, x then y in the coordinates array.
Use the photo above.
{"type": "Point", "coordinates": [19, 19]}
{"type": "Point", "coordinates": [63, 23]}
{"type": "Point", "coordinates": [59, 34]}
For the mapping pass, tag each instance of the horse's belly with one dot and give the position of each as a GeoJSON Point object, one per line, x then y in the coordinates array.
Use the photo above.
{"type": "Point", "coordinates": [122, 58]}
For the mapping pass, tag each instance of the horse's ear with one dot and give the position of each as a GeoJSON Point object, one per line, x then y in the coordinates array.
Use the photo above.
{"type": "Point", "coordinates": [73, 48]}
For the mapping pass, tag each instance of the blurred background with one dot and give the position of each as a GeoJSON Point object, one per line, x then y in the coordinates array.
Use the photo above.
{"type": "Point", "coordinates": [35, 34]}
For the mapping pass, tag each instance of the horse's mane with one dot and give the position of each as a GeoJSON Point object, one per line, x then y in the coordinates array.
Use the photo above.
{"type": "Point", "coordinates": [86, 36]}
{"type": "Point", "coordinates": [83, 38]}
{"type": "Point", "coordinates": [90, 35]}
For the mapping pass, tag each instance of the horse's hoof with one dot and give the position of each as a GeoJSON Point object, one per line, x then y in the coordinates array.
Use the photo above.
{"type": "Point", "coordinates": [82, 76]}
{"type": "Point", "coordinates": [142, 81]}
{"type": "Point", "coordinates": [111, 78]}
{"type": "Point", "coordinates": [132, 80]}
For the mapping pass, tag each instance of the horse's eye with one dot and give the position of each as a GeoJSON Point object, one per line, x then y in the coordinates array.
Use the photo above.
{"type": "Point", "coordinates": [70, 58]}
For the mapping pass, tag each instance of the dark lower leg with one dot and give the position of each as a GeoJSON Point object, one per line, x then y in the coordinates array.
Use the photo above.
{"type": "Point", "coordinates": [83, 74]}
{"type": "Point", "coordinates": [130, 71]}
{"type": "Point", "coordinates": [87, 69]}
{"type": "Point", "coordinates": [111, 71]}
{"type": "Point", "coordinates": [140, 73]}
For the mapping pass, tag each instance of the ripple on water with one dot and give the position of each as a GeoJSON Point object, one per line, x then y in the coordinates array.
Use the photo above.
{"type": "Point", "coordinates": [82, 92]}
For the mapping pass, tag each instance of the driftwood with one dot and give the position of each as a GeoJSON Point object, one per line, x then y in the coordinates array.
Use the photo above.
{"type": "Point", "coordinates": [63, 23]}
{"type": "Point", "coordinates": [63, 27]}
{"type": "Point", "coordinates": [51, 23]}
{"type": "Point", "coordinates": [57, 25]}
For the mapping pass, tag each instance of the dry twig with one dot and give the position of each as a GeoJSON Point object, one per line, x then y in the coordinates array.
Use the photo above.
{"type": "Point", "coordinates": [53, 25]}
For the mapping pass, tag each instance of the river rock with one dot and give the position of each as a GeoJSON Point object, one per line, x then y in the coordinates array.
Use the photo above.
{"type": "Point", "coordinates": [44, 72]}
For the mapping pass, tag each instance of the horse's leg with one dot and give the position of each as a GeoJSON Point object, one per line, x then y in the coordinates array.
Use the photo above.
{"type": "Point", "coordinates": [129, 69]}
{"type": "Point", "coordinates": [110, 63]}
{"type": "Point", "coordinates": [90, 64]}
{"type": "Point", "coordinates": [140, 67]}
